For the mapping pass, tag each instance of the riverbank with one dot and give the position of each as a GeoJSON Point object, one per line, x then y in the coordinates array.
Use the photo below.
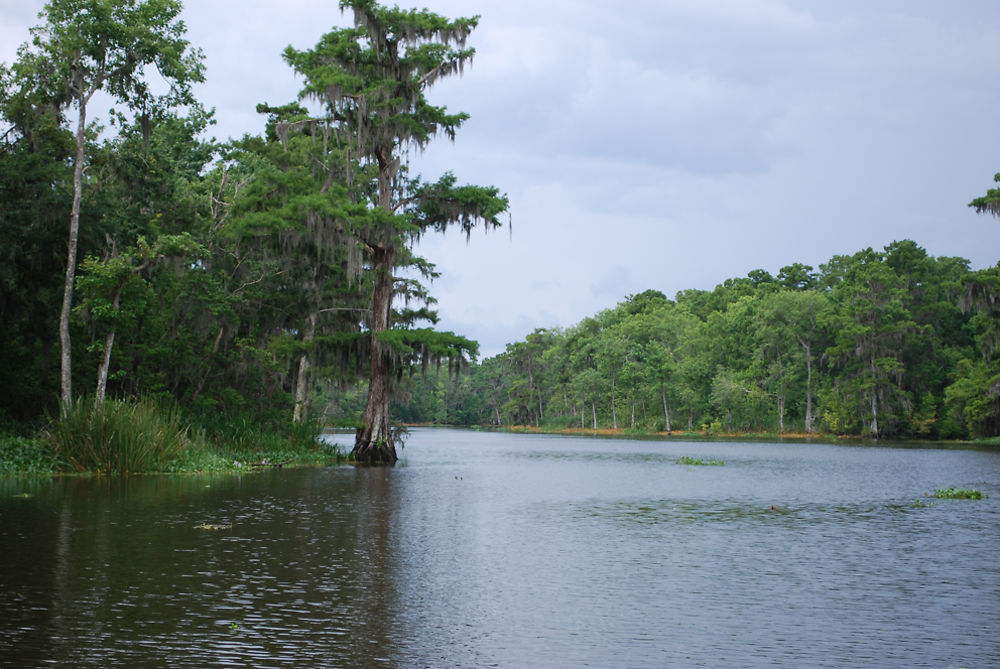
{"type": "Point", "coordinates": [31, 456]}
{"type": "Point", "coordinates": [701, 435]}
{"type": "Point", "coordinates": [681, 434]}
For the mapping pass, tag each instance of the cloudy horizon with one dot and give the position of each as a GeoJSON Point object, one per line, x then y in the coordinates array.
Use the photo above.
{"type": "Point", "coordinates": [670, 147]}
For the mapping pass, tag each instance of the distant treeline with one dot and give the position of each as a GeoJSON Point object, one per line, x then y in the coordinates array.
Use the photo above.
{"type": "Point", "coordinates": [887, 344]}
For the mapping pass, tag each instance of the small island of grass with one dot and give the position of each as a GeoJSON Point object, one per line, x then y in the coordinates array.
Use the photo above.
{"type": "Point", "coordinates": [699, 462]}
{"type": "Point", "coordinates": [959, 493]}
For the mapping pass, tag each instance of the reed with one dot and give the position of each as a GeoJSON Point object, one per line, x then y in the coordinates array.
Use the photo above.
{"type": "Point", "coordinates": [117, 436]}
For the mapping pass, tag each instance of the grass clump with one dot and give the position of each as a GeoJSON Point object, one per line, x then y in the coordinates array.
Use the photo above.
{"type": "Point", "coordinates": [699, 462]}
{"type": "Point", "coordinates": [959, 493]}
{"type": "Point", "coordinates": [118, 436]}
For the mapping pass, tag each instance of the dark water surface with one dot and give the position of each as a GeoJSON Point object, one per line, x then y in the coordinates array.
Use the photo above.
{"type": "Point", "coordinates": [494, 550]}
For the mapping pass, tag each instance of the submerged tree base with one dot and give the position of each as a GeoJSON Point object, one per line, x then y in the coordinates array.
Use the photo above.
{"type": "Point", "coordinates": [374, 452]}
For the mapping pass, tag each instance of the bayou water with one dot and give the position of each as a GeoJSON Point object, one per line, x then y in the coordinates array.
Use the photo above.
{"type": "Point", "coordinates": [500, 550]}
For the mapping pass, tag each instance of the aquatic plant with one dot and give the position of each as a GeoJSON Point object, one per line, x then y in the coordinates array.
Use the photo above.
{"type": "Point", "coordinates": [24, 455]}
{"type": "Point", "coordinates": [959, 493]}
{"type": "Point", "coordinates": [686, 460]}
{"type": "Point", "coordinates": [117, 436]}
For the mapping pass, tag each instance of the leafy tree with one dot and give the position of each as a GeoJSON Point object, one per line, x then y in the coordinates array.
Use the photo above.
{"type": "Point", "coordinates": [989, 203]}
{"type": "Point", "coordinates": [35, 150]}
{"type": "Point", "coordinates": [87, 46]}
{"type": "Point", "coordinates": [790, 322]}
{"type": "Point", "coordinates": [372, 79]}
{"type": "Point", "coordinates": [869, 323]}
{"type": "Point", "coordinates": [973, 398]}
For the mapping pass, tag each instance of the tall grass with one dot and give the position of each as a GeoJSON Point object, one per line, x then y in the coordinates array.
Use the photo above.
{"type": "Point", "coordinates": [117, 436]}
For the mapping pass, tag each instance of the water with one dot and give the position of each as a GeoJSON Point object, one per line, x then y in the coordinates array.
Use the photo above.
{"type": "Point", "coordinates": [494, 550]}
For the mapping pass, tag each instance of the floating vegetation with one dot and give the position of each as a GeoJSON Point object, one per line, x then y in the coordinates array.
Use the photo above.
{"type": "Point", "coordinates": [685, 460]}
{"type": "Point", "coordinates": [921, 504]}
{"type": "Point", "coordinates": [959, 493]}
{"type": "Point", "coordinates": [209, 526]}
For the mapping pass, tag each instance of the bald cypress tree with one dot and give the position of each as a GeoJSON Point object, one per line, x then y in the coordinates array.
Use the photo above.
{"type": "Point", "coordinates": [989, 203]}
{"type": "Point", "coordinates": [372, 80]}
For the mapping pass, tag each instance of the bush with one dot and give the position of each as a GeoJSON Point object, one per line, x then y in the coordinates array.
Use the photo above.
{"type": "Point", "coordinates": [117, 436]}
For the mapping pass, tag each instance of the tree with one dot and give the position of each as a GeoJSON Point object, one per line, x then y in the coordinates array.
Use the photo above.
{"type": "Point", "coordinates": [791, 319]}
{"type": "Point", "coordinates": [35, 150]}
{"type": "Point", "coordinates": [372, 79]}
{"type": "Point", "coordinates": [87, 46]}
{"type": "Point", "coordinates": [869, 324]}
{"type": "Point", "coordinates": [989, 203]}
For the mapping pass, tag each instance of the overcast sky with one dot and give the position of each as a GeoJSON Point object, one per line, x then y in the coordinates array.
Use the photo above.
{"type": "Point", "coordinates": [670, 146]}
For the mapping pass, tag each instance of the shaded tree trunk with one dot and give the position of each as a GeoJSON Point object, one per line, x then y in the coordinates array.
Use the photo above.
{"type": "Point", "coordinates": [614, 410]}
{"type": "Point", "coordinates": [373, 444]}
{"type": "Point", "coordinates": [874, 395]}
{"type": "Point", "coordinates": [809, 397]}
{"type": "Point", "coordinates": [109, 342]}
{"type": "Point", "coordinates": [301, 410]}
{"type": "Point", "coordinates": [666, 410]}
{"type": "Point", "coordinates": [65, 344]}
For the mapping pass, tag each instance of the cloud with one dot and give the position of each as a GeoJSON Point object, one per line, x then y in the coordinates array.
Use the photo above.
{"type": "Point", "coordinates": [668, 144]}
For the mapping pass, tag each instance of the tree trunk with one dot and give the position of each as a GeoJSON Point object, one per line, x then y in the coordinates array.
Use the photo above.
{"type": "Point", "coordinates": [633, 414]}
{"type": "Point", "coordinates": [666, 411]}
{"type": "Point", "coordinates": [809, 397]}
{"type": "Point", "coordinates": [65, 344]}
{"type": "Point", "coordinates": [614, 411]}
{"type": "Point", "coordinates": [781, 414]}
{"type": "Point", "coordinates": [301, 410]}
{"type": "Point", "coordinates": [374, 444]}
{"type": "Point", "coordinates": [109, 342]}
{"type": "Point", "coordinates": [593, 411]}
{"type": "Point", "coordinates": [874, 425]}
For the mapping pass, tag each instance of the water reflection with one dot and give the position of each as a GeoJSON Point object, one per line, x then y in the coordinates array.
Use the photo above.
{"type": "Point", "coordinates": [498, 550]}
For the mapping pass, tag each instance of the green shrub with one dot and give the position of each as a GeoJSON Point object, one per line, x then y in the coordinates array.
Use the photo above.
{"type": "Point", "coordinates": [117, 436]}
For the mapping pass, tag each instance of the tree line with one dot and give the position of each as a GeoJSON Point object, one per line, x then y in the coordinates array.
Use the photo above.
{"type": "Point", "coordinates": [140, 259]}
{"type": "Point", "coordinates": [891, 343]}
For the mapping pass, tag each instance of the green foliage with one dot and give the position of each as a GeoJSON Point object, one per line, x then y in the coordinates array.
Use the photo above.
{"type": "Point", "coordinates": [698, 462]}
{"type": "Point", "coordinates": [959, 493]}
{"type": "Point", "coordinates": [118, 436]}
{"type": "Point", "coordinates": [25, 455]}
{"type": "Point", "coordinates": [888, 344]}
{"type": "Point", "coordinates": [989, 203]}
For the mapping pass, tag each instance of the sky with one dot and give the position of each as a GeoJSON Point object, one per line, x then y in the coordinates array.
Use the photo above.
{"type": "Point", "coordinates": [670, 146]}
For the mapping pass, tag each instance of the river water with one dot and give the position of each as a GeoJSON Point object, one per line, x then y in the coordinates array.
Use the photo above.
{"type": "Point", "coordinates": [499, 550]}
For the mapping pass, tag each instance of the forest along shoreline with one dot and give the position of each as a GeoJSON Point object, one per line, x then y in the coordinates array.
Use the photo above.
{"type": "Point", "coordinates": [176, 303]}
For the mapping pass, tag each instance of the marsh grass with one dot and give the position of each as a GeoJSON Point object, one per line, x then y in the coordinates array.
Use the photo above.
{"type": "Point", "coordinates": [686, 460]}
{"type": "Point", "coordinates": [118, 436]}
{"type": "Point", "coordinates": [959, 493]}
